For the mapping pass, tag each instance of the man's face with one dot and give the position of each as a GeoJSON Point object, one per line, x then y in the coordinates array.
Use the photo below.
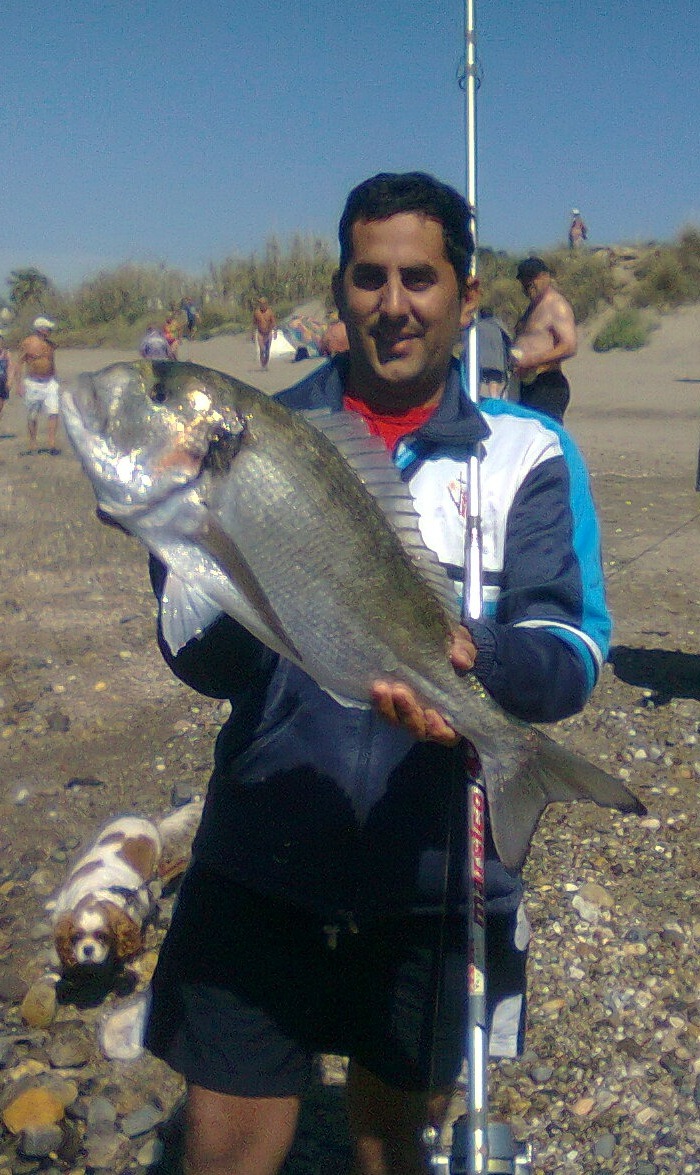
{"type": "Point", "coordinates": [401, 305]}
{"type": "Point", "coordinates": [534, 286]}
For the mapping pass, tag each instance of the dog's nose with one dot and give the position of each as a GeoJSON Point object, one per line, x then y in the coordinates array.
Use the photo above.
{"type": "Point", "coordinates": [88, 950]}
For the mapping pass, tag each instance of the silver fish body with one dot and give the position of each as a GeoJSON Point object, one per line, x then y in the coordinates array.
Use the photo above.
{"type": "Point", "coordinates": [298, 526]}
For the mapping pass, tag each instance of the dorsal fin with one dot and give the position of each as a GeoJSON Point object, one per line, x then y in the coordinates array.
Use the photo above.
{"type": "Point", "coordinates": [369, 459]}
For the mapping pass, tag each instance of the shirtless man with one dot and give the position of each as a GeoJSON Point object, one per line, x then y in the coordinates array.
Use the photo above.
{"type": "Point", "coordinates": [545, 335]}
{"type": "Point", "coordinates": [39, 386]}
{"type": "Point", "coordinates": [264, 330]}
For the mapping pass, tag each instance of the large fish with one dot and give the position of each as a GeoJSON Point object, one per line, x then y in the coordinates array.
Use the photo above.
{"type": "Point", "coordinates": [299, 526]}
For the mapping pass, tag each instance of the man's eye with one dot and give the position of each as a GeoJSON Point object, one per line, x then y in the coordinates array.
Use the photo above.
{"type": "Point", "coordinates": [417, 279]}
{"type": "Point", "coordinates": [366, 278]}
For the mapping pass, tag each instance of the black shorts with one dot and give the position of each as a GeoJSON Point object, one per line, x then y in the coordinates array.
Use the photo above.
{"type": "Point", "coordinates": [548, 393]}
{"type": "Point", "coordinates": [247, 990]}
{"type": "Point", "coordinates": [4, 390]}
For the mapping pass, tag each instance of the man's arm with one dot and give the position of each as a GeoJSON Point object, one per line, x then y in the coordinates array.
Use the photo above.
{"type": "Point", "coordinates": [539, 656]}
{"type": "Point", "coordinates": [554, 339]}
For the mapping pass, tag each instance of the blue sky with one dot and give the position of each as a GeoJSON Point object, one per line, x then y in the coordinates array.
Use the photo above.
{"type": "Point", "coordinates": [184, 132]}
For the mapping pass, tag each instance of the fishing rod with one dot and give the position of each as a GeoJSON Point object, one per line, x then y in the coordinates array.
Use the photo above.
{"type": "Point", "coordinates": [479, 1147]}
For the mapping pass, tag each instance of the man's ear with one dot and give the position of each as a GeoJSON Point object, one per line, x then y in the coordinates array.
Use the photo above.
{"type": "Point", "coordinates": [470, 301]}
{"type": "Point", "coordinates": [337, 288]}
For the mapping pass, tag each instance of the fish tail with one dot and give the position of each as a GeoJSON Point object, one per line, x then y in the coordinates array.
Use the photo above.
{"type": "Point", "coordinates": [548, 773]}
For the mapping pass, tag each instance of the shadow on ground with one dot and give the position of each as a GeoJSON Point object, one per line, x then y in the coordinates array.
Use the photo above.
{"type": "Point", "coordinates": [669, 673]}
{"type": "Point", "coordinates": [321, 1147]}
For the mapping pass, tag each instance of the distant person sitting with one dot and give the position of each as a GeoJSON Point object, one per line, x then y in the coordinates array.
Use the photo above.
{"type": "Point", "coordinates": [578, 233]}
{"type": "Point", "coordinates": [154, 344]}
{"type": "Point", "coordinates": [335, 338]}
{"type": "Point", "coordinates": [264, 330]}
{"type": "Point", "coordinates": [494, 348]}
{"type": "Point", "coordinates": [545, 335]}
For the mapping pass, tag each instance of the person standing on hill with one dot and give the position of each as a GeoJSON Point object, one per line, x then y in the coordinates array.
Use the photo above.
{"type": "Point", "coordinates": [264, 330]}
{"type": "Point", "coordinates": [578, 232]}
{"type": "Point", "coordinates": [545, 335]}
{"type": "Point", "coordinates": [39, 387]}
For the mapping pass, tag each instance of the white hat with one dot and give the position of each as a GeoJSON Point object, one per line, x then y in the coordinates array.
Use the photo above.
{"type": "Point", "coordinates": [575, 212]}
{"type": "Point", "coordinates": [43, 324]}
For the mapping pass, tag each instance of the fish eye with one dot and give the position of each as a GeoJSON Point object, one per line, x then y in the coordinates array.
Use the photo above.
{"type": "Point", "coordinates": [159, 393]}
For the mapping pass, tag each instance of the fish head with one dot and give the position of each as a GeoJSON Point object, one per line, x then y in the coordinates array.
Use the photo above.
{"type": "Point", "coordinates": [143, 430]}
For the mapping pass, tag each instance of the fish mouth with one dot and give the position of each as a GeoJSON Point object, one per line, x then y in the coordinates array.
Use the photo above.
{"type": "Point", "coordinates": [139, 442]}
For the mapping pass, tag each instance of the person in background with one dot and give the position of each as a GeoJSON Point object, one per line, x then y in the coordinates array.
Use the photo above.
{"type": "Point", "coordinates": [36, 361]}
{"type": "Point", "coordinates": [316, 917]}
{"type": "Point", "coordinates": [545, 335]}
{"type": "Point", "coordinates": [192, 316]}
{"type": "Point", "coordinates": [172, 332]}
{"type": "Point", "coordinates": [335, 338]}
{"type": "Point", "coordinates": [154, 344]}
{"type": "Point", "coordinates": [578, 233]}
{"type": "Point", "coordinates": [494, 348]}
{"type": "Point", "coordinates": [264, 330]}
{"type": "Point", "coordinates": [6, 372]}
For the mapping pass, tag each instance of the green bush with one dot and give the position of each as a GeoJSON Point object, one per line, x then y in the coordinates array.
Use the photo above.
{"type": "Point", "coordinates": [627, 330]}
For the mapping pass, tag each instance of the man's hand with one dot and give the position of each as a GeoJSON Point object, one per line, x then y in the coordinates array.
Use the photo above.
{"type": "Point", "coordinates": [399, 705]}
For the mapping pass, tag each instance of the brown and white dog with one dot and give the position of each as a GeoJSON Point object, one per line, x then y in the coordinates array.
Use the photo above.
{"type": "Point", "coordinates": [99, 914]}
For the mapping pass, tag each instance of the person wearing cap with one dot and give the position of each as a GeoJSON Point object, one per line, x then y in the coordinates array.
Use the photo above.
{"type": "Point", "coordinates": [264, 330]}
{"type": "Point", "coordinates": [578, 232]}
{"type": "Point", "coordinates": [6, 371]}
{"type": "Point", "coordinates": [545, 335]}
{"type": "Point", "coordinates": [39, 386]}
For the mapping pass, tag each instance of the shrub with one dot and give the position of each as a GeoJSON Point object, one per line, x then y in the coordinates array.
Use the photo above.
{"type": "Point", "coordinates": [627, 330]}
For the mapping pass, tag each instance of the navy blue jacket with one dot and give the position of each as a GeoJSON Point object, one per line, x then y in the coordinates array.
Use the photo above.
{"type": "Point", "coordinates": [330, 807]}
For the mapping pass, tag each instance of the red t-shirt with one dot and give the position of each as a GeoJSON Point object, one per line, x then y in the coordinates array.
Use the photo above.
{"type": "Point", "coordinates": [390, 426]}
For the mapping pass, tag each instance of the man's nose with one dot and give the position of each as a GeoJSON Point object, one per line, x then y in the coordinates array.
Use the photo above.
{"type": "Point", "coordinates": [395, 301]}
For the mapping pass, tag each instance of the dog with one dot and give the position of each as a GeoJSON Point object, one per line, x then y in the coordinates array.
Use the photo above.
{"type": "Point", "coordinates": [109, 897]}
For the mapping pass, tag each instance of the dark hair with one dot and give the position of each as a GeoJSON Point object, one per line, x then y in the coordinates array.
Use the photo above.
{"type": "Point", "coordinates": [531, 267]}
{"type": "Point", "coordinates": [388, 193]}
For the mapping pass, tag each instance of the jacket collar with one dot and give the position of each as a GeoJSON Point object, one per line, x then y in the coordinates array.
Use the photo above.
{"type": "Point", "coordinates": [456, 422]}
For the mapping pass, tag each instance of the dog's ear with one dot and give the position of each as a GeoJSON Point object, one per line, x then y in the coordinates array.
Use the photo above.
{"type": "Point", "coordinates": [124, 932]}
{"type": "Point", "coordinates": [141, 852]}
{"type": "Point", "coordinates": [63, 932]}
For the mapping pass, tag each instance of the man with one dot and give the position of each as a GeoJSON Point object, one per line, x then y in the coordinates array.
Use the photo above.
{"type": "Point", "coordinates": [324, 910]}
{"type": "Point", "coordinates": [192, 316]}
{"type": "Point", "coordinates": [39, 386]}
{"type": "Point", "coordinates": [264, 330]}
{"type": "Point", "coordinates": [494, 351]}
{"type": "Point", "coordinates": [335, 338]}
{"type": "Point", "coordinates": [545, 335]}
{"type": "Point", "coordinates": [578, 232]}
{"type": "Point", "coordinates": [6, 372]}
{"type": "Point", "coordinates": [154, 344]}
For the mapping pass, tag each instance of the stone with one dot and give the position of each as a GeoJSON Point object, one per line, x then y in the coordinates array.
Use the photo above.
{"type": "Point", "coordinates": [12, 987]}
{"type": "Point", "coordinates": [604, 1146]}
{"type": "Point", "coordinates": [39, 1005]}
{"type": "Point", "coordinates": [141, 1120]}
{"type": "Point", "coordinates": [33, 1107]}
{"type": "Point", "coordinates": [38, 1142]}
{"type": "Point", "coordinates": [71, 1047]}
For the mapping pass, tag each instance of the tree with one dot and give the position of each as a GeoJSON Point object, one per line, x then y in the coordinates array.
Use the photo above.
{"type": "Point", "coordinates": [27, 285]}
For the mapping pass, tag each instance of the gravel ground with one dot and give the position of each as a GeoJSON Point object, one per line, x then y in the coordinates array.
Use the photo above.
{"type": "Point", "coordinates": [92, 725]}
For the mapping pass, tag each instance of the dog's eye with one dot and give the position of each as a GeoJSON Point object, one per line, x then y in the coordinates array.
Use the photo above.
{"type": "Point", "coordinates": [101, 936]}
{"type": "Point", "coordinates": [77, 937]}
